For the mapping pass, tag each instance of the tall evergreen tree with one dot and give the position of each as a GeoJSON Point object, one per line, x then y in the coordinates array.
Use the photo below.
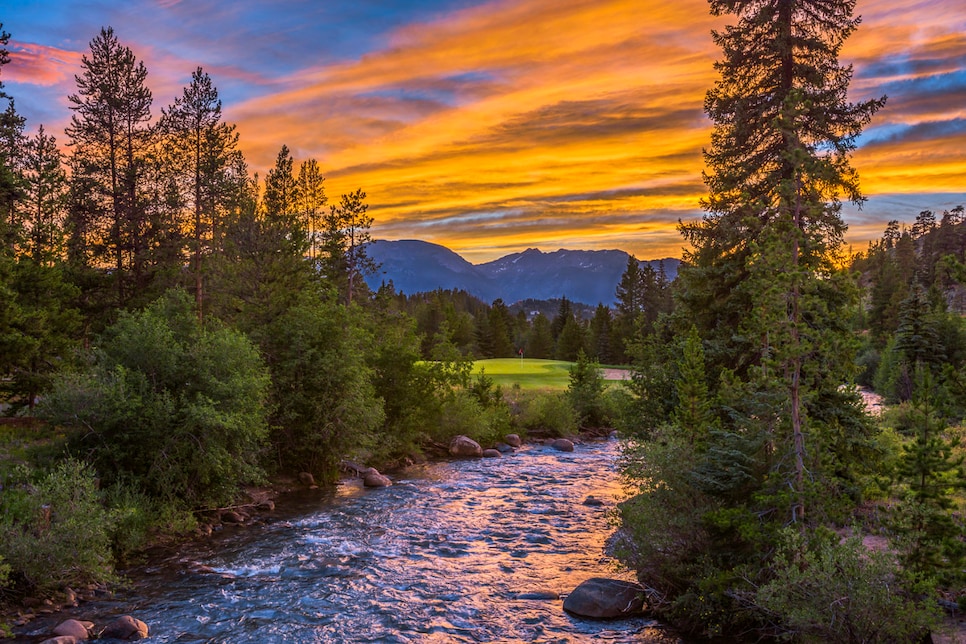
{"type": "Point", "coordinates": [311, 201]}
{"type": "Point", "coordinates": [763, 258]}
{"type": "Point", "coordinates": [112, 139]}
{"type": "Point", "coordinates": [345, 235]}
{"type": "Point", "coordinates": [208, 167]}
{"type": "Point", "coordinates": [45, 197]}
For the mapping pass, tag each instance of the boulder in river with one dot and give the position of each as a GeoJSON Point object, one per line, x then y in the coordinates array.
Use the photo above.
{"type": "Point", "coordinates": [374, 479]}
{"type": "Point", "coordinates": [513, 440]}
{"type": "Point", "coordinates": [491, 453]}
{"type": "Point", "coordinates": [464, 447]}
{"type": "Point", "coordinates": [73, 628]}
{"type": "Point", "coordinates": [603, 598]}
{"type": "Point", "coordinates": [62, 639]}
{"type": "Point", "coordinates": [562, 444]}
{"type": "Point", "coordinates": [125, 627]}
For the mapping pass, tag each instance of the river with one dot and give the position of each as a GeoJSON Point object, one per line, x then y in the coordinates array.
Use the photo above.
{"type": "Point", "coordinates": [454, 551]}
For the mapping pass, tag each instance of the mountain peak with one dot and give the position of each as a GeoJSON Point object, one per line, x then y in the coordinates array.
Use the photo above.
{"type": "Point", "coordinates": [585, 276]}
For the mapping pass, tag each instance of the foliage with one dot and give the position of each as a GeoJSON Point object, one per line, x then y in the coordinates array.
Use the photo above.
{"type": "Point", "coordinates": [930, 471]}
{"type": "Point", "coordinates": [463, 413]}
{"type": "Point", "coordinates": [54, 531]}
{"type": "Point", "coordinates": [185, 420]}
{"type": "Point", "coordinates": [344, 235]}
{"type": "Point", "coordinates": [546, 411]}
{"type": "Point", "coordinates": [324, 404]}
{"type": "Point", "coordinates": [586, 394]}
{"type": "Point", "coordinates": [828, 591]}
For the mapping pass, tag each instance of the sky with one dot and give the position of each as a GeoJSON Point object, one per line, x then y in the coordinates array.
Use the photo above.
{"type": "Point", "coordinates": [495, 126]}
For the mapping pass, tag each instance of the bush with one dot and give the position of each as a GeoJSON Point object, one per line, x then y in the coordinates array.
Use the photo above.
{"type": "Point", "coordinates": [462, 413]}
{"type": "Point", "coordinates": [185, 421]}
{"type": "Point", "coordinates": [547, 412]}
{"type": "Point", "coordinates": [55, 533]}
{"type": "Point", "coordinates": [325, 402]}
{"type": "Point", "coordinates": [828, 591]}
{"type": "Point", "coordinates": [586, 394]}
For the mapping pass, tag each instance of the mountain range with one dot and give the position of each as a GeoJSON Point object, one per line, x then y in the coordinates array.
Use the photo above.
{"type": "Point", "coordinates": [586, 276]}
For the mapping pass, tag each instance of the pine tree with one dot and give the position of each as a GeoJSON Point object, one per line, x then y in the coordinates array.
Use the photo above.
{"type": "Point", "coordinates": [112, 139]}
{"type": "Point", "coordinates": [311, 201]}
{"type": "Point", "coordinates": [208, 168]}
{"type": "Point", "coordinates": [931, 470]}
{"type": "Point", "coordinates": [540, 338]}
{"type": "Point", "coordinates": [345, 235]}
{"type": "Point", "coordinates": [764, 255]}
{"type": "Point", "coordinates": [45, 198]}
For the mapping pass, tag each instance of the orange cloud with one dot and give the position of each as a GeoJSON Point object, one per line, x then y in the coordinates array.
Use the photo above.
{"type": "Point", "coordinates": [525, 108]}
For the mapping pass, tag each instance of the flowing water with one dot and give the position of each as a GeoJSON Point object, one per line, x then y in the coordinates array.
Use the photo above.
{"type": "Point", "coordinates": [461, 551]}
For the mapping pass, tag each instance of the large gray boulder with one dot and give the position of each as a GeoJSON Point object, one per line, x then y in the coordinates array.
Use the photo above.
{"type": "Point", "coordinates": [602, 598]}
{"type": "Point", "coordinates": [465, 447]}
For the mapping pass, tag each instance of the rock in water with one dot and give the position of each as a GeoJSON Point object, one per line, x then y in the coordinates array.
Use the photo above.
{"type": "Point", "coordinates": [603, 598]}
{"type": "Point", "coordinates": [563, 445]}
{"type": "Point", "coordinates": [374, 479]}
{"type": "Point", "coordinates": [464, 446]}
{"type": "Point", "coordinates": [73, 628]}
{"type": "Point", "coordinates": [513, 440]}
{"type": "Point", "coordinates": [125, 627]}
{"type": "Point", "coordinates": [306, 478]}
{"type": "Point", "coordinates": [491, 453]}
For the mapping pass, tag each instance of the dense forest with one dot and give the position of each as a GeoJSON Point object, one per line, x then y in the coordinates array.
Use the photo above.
{"type": "Point", "coordinates": [174, 327]}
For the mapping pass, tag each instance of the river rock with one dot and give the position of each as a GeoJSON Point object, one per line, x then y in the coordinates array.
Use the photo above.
{"type": "Point", "coordinates": [72, 628]}
{"type": "Point", "coordinates": [306, 478]}
{"type": "Point", "coordinates": [125, 627]}
{"type": "Point", "coordinates": [492, 453]}
{"type": "Point", "coordinates": [230, 516]}
{"type": "Point", "coordinates": [374, 479]}
{"type": "Point", "coordinates": [562, 445]}
{"type": "Point", "coordinates": [593, 501]}
{"type": "Point", "coordinates": [61, 639]}
{"type": "Point", "coordinates": [465, 447]}
{"type": "Point", "coordinates": [513, 440]}
{"type": "Point", "coordinates": [603, 598]}
{"type": "Point", "coordinates": [503, 448]}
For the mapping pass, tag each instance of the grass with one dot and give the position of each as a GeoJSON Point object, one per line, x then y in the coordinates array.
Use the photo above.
{"type": "Point", "coordinates": [528, 373]}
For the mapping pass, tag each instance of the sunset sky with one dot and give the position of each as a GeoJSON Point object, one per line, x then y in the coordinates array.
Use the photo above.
{"type": "Point", "coordinates": [491, 127]}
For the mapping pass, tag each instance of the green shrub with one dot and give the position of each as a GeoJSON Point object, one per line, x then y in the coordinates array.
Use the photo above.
{"type": "Point", "coordinates": [830, 591]}
{"type": "Point", "coordinates": [586, 394]}
{"type": "Point", "coordinates": [174, 408]}
{"type": "Point", "coordinates": [547, 412]}
{"type": "Point", "coordinates": [325, 403]}
{"type": "Point", "coordinates": [462, 413]}
{"type": "Point", "coordinates": [55, 532]}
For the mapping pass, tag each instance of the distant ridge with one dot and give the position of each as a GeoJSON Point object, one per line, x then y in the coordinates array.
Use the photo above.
{"type": "Point", "coordinates": [586, 276]}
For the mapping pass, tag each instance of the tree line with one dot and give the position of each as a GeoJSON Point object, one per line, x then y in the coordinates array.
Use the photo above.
{"type": "Point", "coordinates": [174, 327]}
